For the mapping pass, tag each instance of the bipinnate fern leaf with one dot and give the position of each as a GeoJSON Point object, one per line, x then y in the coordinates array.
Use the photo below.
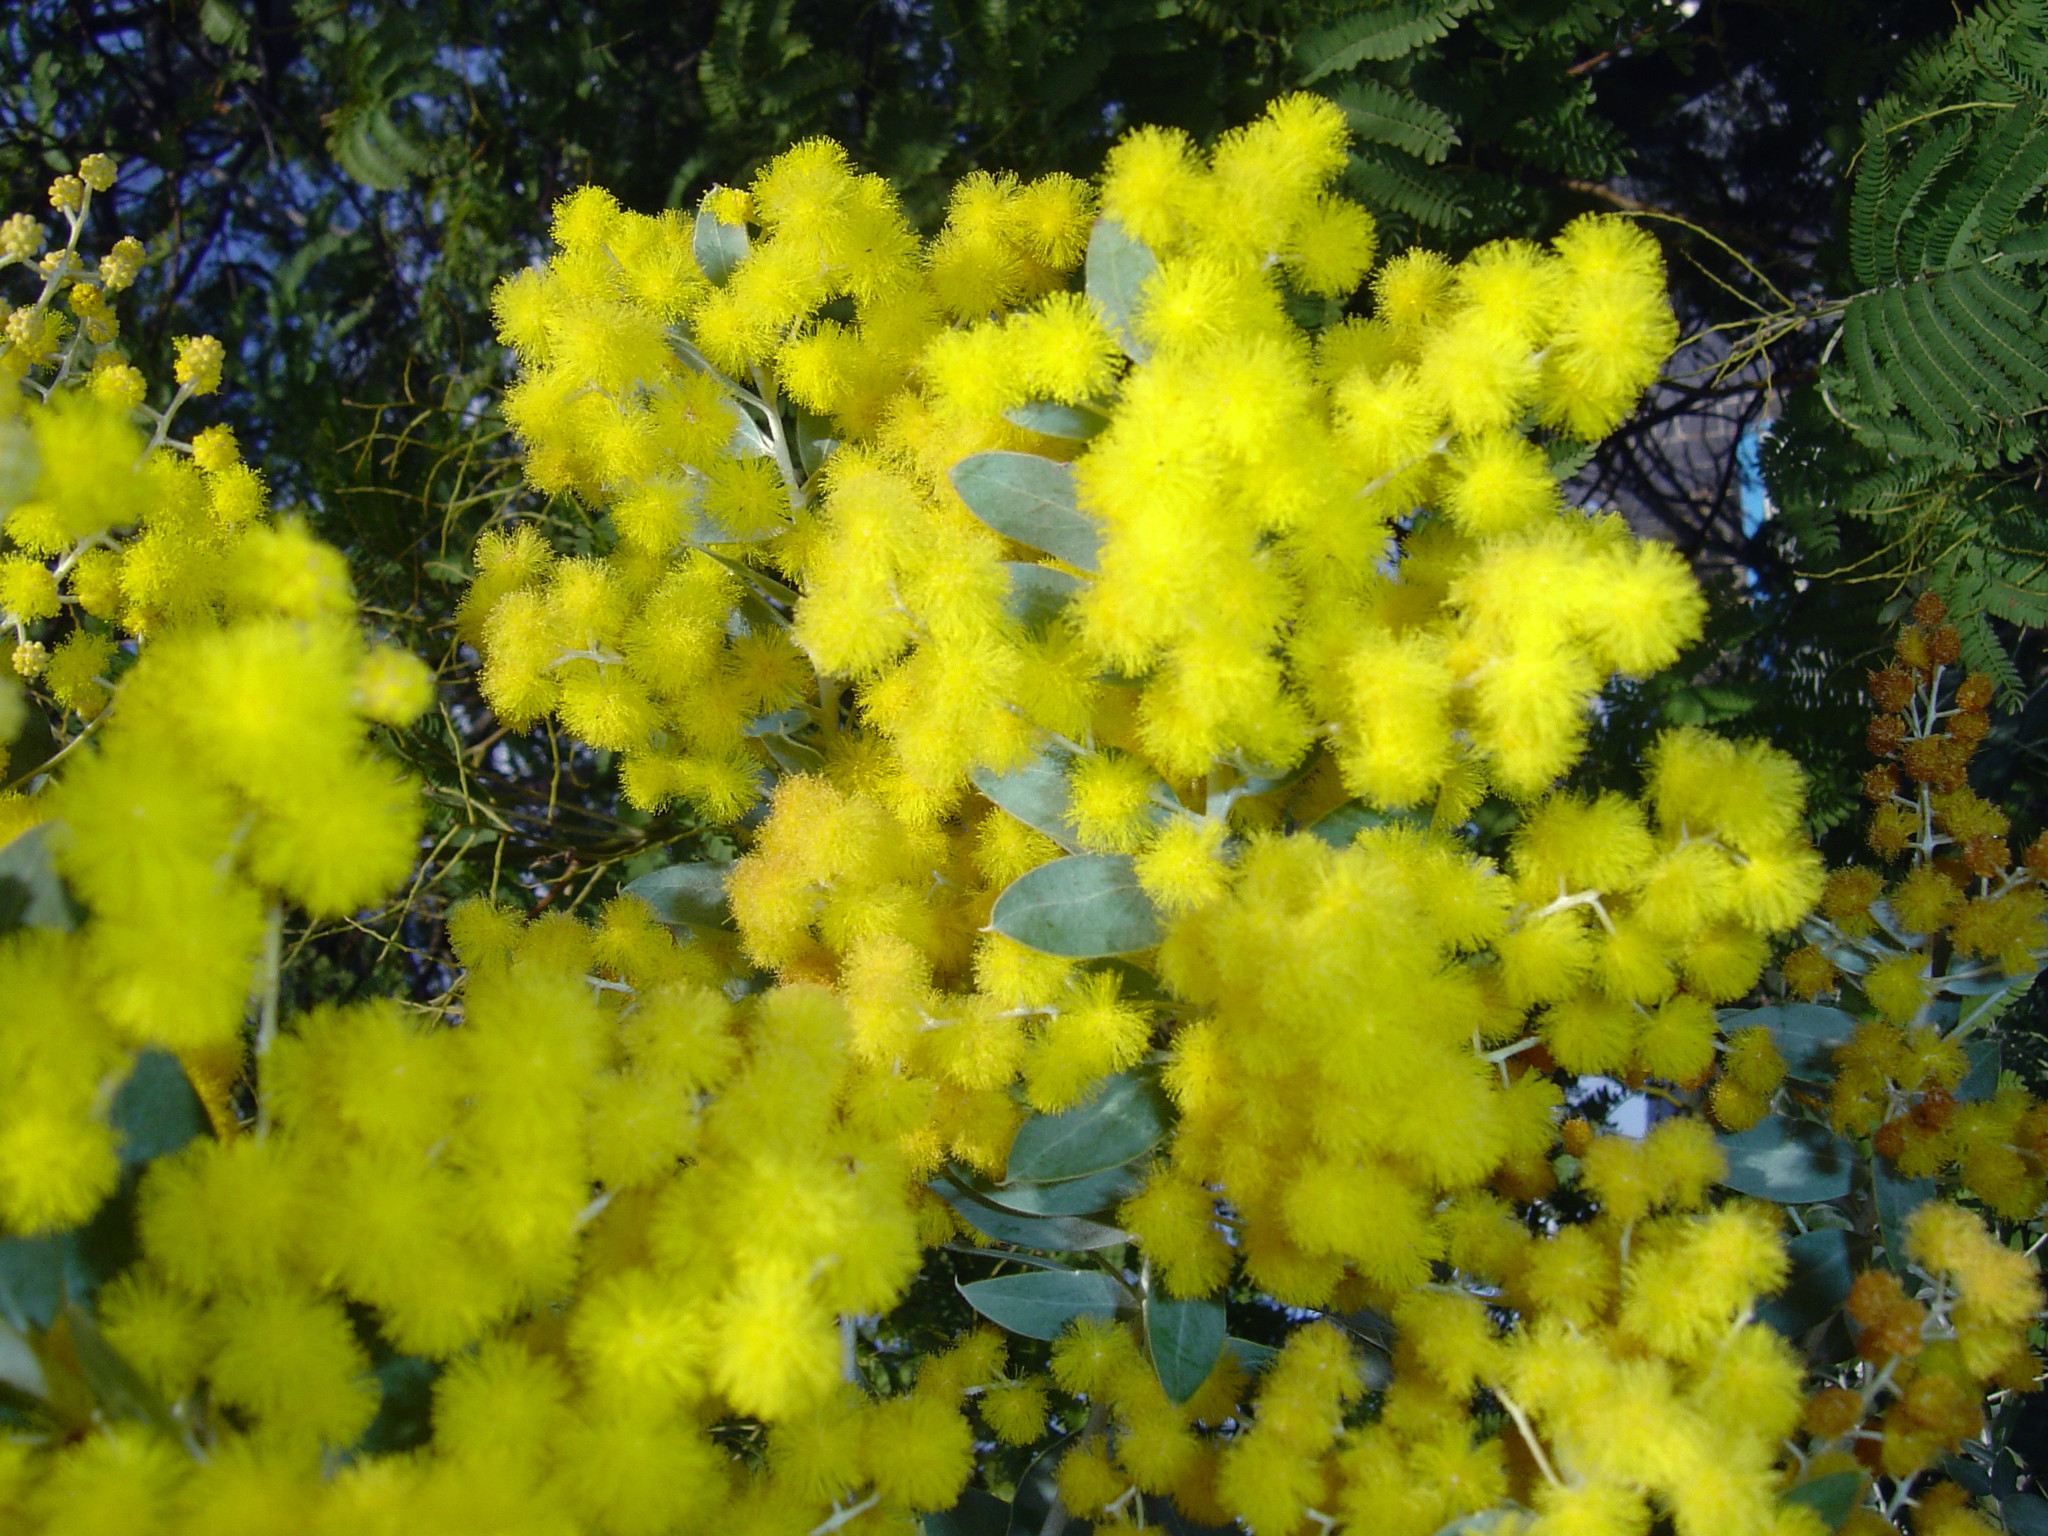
{"type": "Point", "coordinates": [1376, 29]}
{"type": "Point", "coordinates": [1380, 114]}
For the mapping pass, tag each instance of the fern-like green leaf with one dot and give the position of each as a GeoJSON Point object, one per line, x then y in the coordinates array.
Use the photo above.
{"type": "Point", "coordinates": [1915, 392]}
{"type": "Point", "coordinates": [1379, 114]}
{"type": "Point", "coordinates": [1871, 384]}
{"type": "Point", "coordinates": [1380, 29]}
{"type": "Point", "coordinates": [1873, 187]}
{"type": "Point", "coordinates": [1998, 320]}
{"type": "Point", "coordinates": [2021, 57]}
{"type": "Point", "coordinates": [1914, 185]}
{"type": "Point", "coordinates": [2016, 156]}
{"type": "Point", "coordinates": [1933, 321]}
{"type": "Point", "coordinates": [1938, 367]}
{"type": "Point", "coordinates": [2026, 244]}
{"type": "Point", "coordinates": [1380, 181]}
{"type": "Point", "coordinates": [1984, 652]}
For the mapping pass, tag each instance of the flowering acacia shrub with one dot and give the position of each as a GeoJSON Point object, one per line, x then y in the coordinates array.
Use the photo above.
{"type": "Point", "coordinates": [1111, 660]}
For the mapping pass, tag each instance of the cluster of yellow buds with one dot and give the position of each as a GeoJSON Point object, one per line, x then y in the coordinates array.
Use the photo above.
{"type": "Point", "coordinates": [1936, 952]}
{"type": "Point", "coordinates": [1925, 1358]}
{"type": "Point", "coordinates": [89, 460]}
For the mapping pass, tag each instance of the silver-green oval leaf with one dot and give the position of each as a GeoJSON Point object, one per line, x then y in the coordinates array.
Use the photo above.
{"type": "Point", "coordinates": [1046, 1234]}
{"type": "Point", "coordinates": [1831, 1497]}
{"type": "Point", "coordinates": [1126, 1119]}
{"type": "Point", "coordinates": [1036, 794]}
{"type": "Point", "coordinates": [1038, 594]}
{"type": "Point", "coordinates": [1049, 418]}
{"type": "Point", "coordinates": [1039, 1305]}
{"type": "Point", "coordinates": [1817, 1286]}
{"type": "Point", "coordinates": [1806, 1034]}
{"type": "Point", "coordinates": [1117, 270]}
{"type": "Point", "coordinates": [156, 1111]}
{"type": "Point", "coordinates": [1029, 498]}
{"type": "Point", "coordinates": [718, 247]}
{"type": "Point", "coordinates": [1793, 1162]}
{"type": "Point", "coordinates": [1084, 1196]}
{"type": "Point", "coordinates": [686, 895]}
{"type": "Point", "coordinates": [1186, 1340]}
{"type": "Point", "coordinates": [1084, 907]}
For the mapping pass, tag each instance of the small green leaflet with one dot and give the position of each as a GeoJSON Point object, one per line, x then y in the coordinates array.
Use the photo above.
{"type": "Point", "coordinates": [1818, 1285]}
{"type": "Point", "coordinates": [1126, 1119]}
{"type": "Point", "coordinates": [1038, 594]}
{"type": "Point", "coordinates": [1386, 30]}
{"type": "Point", "coordinates": [1039, 1305]}
{"type": "Point", "coordinates": [1793, 1162]}
{"type": "Point", "coordinates": [718, 247]}
{"type": "Point", "coordinates": [1083, 907]}
{"type": "Point", "coordinates": [686, 895]}
{"type": "Point", "coordinates": [1118, 268]}
{"type": "Point", "coordinates": [1049, 418]}
{"type": "Point", "coordinates": [1030, 499]}
{"type": "Point", "coordinates": [1186, 1340]}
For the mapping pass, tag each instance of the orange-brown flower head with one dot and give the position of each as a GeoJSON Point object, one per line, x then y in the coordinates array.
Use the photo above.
{"type": "Point", "coordinates": [1969, 728]}
{"type": "Point", "coordinates": [1937, 761]}
{"type": "Point", "coordinates": [2036, 858]}
{"type": "Point", "coordinates": [1892, 689]}
{"type": "Point", "coordinates": [1929, 609]}
{"type": "Point", "coordinates": [1944, 645]}
{"type": "Point", "coordinates": [1809, 973]}
{"type": "Point", "coordinates": [1911, 649]}
{"type": "Point", "coordinates": [1881, 783]}
{"type": "Point", "coordinates": [1986, 855]}
{"type": "Point", "coordinates": [1890, 1320]}
{"type": "Point", "coordinates": [1832, 1413]}
{"type": "Point", "coordinates": [1885, 733]}
{"type": "Point", "coordinates": [1934, 1111]}
{"type": "Point", "coordinates": [1889, 1139]}
{"type": "Point", "coordinates": [1974, 692]}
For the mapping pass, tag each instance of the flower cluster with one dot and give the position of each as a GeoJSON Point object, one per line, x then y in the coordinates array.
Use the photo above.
{"type": "Point", "coordinates": [1103, 652]}
{"type": "Point", "coordinates": [1926, 1358]}
{"type": "Point", "coordinates": [233, 774]}
{"type": "Point", "coordinates": [1321, 563]}
{"type": "Point", "coordinates": [1937, 951]}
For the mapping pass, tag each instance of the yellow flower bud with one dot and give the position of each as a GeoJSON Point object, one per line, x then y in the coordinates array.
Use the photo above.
{"type": "Point", "coordinates": [98, 171]}
{"type": "Point", "coordinates": [198, 364]}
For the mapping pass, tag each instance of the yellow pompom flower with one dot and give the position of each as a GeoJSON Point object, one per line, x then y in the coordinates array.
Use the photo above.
{"type": "Point", "coordinates": [1015, 1411]}
{"type": "Point", "coordinates": [1184, 867]}
{"type": "Point", "coordinates": [1899, 987]}
{"type": "Point", "coordinates": [1331, 248]}
{"type": "Point", "coordinates": [293, 1362]}
{"type": "Point", "coordinates": [918, 1450]}
{"type": "Point", "coordinates": [1091, 1354]}
{"type": "Point", "coordinates": [1149, 178]}
{"type": "Point", "coordinates": [392, 686]}
{"type": "Point", "coordinates": [777, 1350]}
{"type": "Point", "coordinates": [198, 364]}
